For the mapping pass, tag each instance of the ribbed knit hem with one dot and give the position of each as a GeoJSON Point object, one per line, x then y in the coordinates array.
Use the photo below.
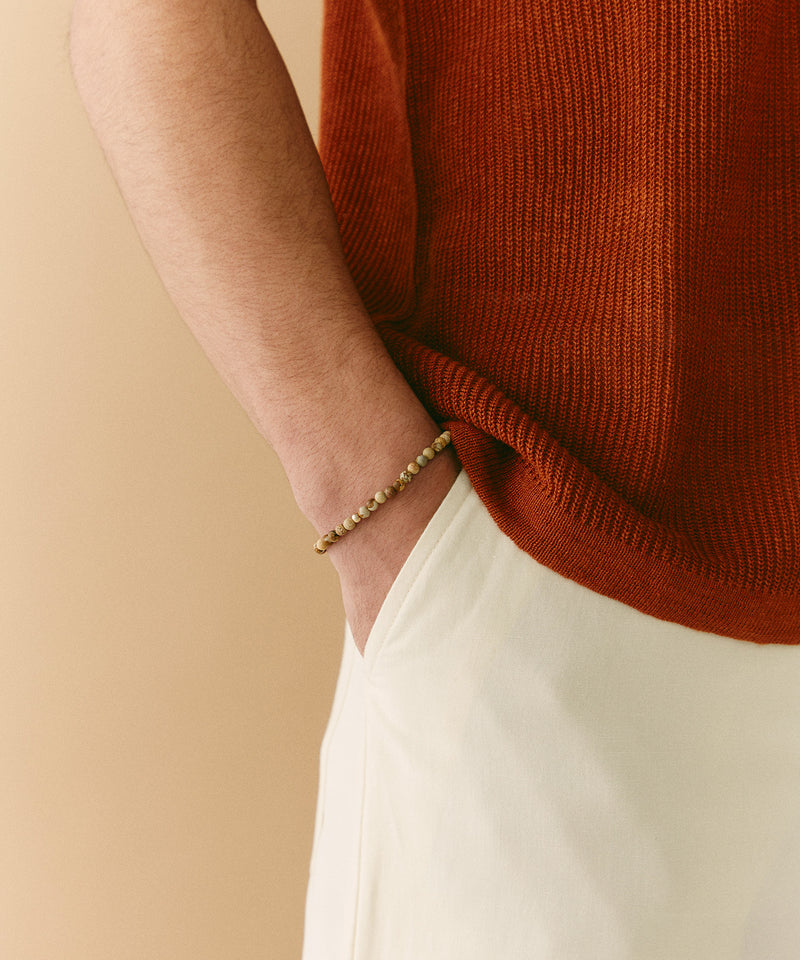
{"type": "Point", "coordinates": [523, 510]}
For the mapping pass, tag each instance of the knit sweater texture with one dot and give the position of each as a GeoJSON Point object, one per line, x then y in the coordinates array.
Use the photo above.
{"type": "Point", "coordinates": [576, 225]}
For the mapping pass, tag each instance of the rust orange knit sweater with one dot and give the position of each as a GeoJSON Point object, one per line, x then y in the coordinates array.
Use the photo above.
{"type": "Point", "coordinates": [577, 226]}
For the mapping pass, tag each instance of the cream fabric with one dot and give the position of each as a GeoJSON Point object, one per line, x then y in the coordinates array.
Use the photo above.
{"type": "Point", "coordinates": [522, 768]}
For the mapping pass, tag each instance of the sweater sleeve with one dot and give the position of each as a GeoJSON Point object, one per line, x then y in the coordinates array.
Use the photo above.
{"type": "Point", "coordinates": [371, 177]}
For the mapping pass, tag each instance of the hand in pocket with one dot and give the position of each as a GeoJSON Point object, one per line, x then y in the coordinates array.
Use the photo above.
{"type": "Point", "coordinates": [369, 560]}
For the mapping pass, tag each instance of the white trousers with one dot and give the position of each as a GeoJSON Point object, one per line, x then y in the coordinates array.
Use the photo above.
{"type": "Point", "coordinates": [522, 768]}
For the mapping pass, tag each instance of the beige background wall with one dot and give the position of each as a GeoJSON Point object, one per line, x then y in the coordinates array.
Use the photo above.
{"type": "Point", "coordinates": [168, 639]}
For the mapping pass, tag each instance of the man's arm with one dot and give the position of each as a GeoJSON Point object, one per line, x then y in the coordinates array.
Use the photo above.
{"type": "Point", "coordinates": [205, 136]}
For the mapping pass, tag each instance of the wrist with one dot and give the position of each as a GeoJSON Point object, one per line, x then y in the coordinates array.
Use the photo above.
{"type": "Point", "coordinates": [348, 430]}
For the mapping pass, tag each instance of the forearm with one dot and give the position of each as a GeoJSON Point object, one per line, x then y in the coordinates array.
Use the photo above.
{"type": "Point", "coordinates": [203, 131]}
{"type": "Point", "coordinates": [205, 136]}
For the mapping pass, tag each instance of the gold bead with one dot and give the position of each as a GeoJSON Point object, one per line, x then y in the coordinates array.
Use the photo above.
{"type": "Point", "coordinates": [429, 453]}
{"type": "Point", "coordinates": [320, 546]}
{"type": "Point", "coordinates": [356, 518]}
{"type": "Point", "coordinates": [340, 529]}
{"type": "Point", "coordinates": [349, 523]}
{"type": "Point", "coordinates": [380, 497]}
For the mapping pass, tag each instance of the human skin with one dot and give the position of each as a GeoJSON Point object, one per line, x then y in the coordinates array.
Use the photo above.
{"type": "Point", "coordinates": [205, 136]}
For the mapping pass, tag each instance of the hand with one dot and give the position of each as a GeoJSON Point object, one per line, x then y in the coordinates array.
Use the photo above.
{"type": "Point", "coordinates": [369, 558]}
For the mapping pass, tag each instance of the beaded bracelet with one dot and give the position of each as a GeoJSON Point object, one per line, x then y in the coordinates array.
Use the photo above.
{"type": "Point", "coordinates": [349, 523]}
